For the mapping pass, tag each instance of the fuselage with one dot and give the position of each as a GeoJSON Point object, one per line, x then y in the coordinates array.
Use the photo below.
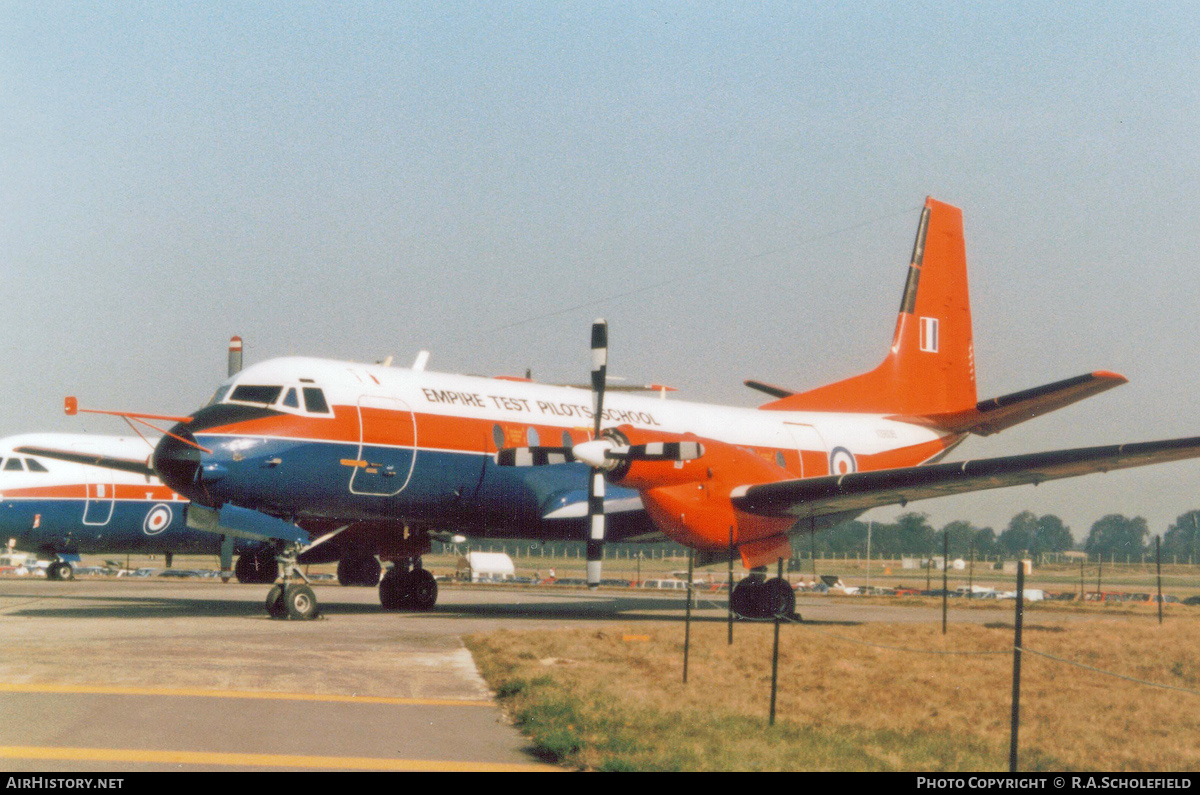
{"type": "Point", "coordinates": [53, 507]}
{"type": "Point", "coordinates": [337, 442]}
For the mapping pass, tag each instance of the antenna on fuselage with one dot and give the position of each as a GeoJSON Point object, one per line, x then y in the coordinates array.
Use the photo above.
{"type": "Point", "coordinates": [419, 363]}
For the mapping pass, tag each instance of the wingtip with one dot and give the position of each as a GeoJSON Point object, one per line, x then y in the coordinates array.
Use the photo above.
{"type": "Point", "coordinates": [1109, 375]}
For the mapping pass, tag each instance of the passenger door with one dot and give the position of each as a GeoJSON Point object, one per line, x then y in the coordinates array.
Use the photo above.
{"type": "Point", "coordinates": [387, 449]}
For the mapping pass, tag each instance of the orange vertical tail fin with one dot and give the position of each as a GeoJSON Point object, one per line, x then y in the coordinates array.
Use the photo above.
{"type": "Point", "coordinates": [930, 368]}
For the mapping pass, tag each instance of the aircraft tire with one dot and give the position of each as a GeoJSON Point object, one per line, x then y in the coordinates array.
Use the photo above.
{"type": "Point", "coordinates": [745, 600]}
{"type": "Point", "coordinates": [60, 570]}
{"type": "Point", "coordinates": [275, 606]}
{"type": "Point", "coordinates": [300, 603]}
{"type": "Point", "coordinates": [778, 599]}
{"type": "Point", "coordinates": [395, 590]}
{"type": "Point", "coordinates": [423, 590]}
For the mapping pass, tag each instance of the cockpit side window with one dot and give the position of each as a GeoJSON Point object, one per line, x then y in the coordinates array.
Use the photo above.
{"type": "Point", "coordinates": [290, 400]}
{"type": "Point", "coordinates": [14, 465]}
{"type": "Point", "coordinates": [314, 400]}
{"type": "Point", "coordinates": [35, 465]}
{"type": "Point", "coordinates": [248, 393]}
{"type": "Point", "coordinates": [219, 395]}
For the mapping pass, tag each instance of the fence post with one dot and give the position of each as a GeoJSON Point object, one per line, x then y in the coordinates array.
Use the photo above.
{"type": "Point", "coordinates": [1016, 687]}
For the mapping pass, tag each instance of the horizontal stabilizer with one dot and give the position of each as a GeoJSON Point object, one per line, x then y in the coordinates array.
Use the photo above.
{"type": "Point", "coordinates": [992, 416]}
{"type": "Point", "coordinates": [770, 389]}
{"type": "Point", "coordinates": [861, 491]}
{"type": "Point", "coordinates": [75, 457]}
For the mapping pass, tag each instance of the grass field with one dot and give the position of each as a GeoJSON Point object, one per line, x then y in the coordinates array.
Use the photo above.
{"type": "Point", "coordinates": [613, 699]}
{"type": "Point", "coordinates": [856, 697]}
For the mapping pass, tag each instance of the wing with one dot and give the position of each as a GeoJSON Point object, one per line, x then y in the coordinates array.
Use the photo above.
{"type": "Point", "coordinates": [108, 462]}
{"type": "Point", "coordinates": [860, 491]}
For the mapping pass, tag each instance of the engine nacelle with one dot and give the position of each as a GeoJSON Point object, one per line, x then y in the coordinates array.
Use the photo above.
{"type": "Point", "coordinates": [690, 500]}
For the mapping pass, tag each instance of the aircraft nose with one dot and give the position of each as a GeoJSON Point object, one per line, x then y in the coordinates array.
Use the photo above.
{"type": "Point", "coordinates": [177, 463]}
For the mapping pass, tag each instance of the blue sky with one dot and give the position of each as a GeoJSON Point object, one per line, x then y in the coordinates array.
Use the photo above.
{"type": "Point", "coordinates": [734, 186]}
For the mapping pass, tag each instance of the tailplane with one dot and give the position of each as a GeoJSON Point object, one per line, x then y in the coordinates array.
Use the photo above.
{"type": "Point", "coordinates": [930, 369]}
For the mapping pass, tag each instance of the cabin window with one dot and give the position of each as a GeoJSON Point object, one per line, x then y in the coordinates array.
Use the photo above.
{"type": "Point", "coordinates": [566, 439]}
{"type": "Point", "coordinates": [532, 438]}
{"type": "Point", "coordinates": [314, 400]}
{"type": "Point", "coordinates": [498, 436]}
{"type": "Point", "coordinates": [35, 465]}
{"type": "Point", "coordinates": [247, 393]}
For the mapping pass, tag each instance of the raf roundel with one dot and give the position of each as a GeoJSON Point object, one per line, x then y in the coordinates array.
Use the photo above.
{"type": "Point", "coordinates": [841, 461]}
{"type": "Point", "coordinates": [157, 520]}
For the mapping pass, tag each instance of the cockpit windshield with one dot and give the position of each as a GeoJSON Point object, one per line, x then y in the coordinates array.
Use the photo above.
{"type": "Point", "coordinates": [278, 397]}
{"type": "Point", "coordinates": [250, 393]}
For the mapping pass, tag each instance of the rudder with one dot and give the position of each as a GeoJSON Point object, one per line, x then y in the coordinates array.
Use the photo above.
{"type": "Point", "coordinates": [930, 368]}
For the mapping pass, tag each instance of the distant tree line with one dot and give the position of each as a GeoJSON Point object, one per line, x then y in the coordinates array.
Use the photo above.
{"type": "Point", "coordinates": [911, 534]}
{"type": "Point", "coordinates": [1026, 534]}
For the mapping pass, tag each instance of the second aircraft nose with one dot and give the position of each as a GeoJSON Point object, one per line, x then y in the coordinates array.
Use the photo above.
{"type": "Point", "coordinates": [177, 462]}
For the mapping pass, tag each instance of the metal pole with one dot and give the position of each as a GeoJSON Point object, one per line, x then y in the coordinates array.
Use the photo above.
{"type": "Point", "coordinates": [971, 574]}
{"type": "Point", "coordinates": [1099, 571]}
{"type": "Point", "coordinates": [945, 575]}
{"type": "Point", "coordinates": [870, 526]}
{"type": "Point", "coordinates": [730, 618]}
{"type": "Point", "coordinates": [1016, 688]}
{"type": "Point", "coordinates": [775, 656]}
{"type": "Point", "coordinates": [1158, 565]}
{"type": "Point", "coordinates": [687, 620]}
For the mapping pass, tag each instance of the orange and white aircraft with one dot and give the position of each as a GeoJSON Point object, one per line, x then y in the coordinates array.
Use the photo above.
{"type": "Point", "coordinates": [337, 460]}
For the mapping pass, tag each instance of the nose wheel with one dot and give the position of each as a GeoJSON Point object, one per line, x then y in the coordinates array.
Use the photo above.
{"type": "Point", "coordinates": [292, 600]}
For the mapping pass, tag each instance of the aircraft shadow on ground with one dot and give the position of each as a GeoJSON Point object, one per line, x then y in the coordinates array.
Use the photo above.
{"type": "Point", "coordinates": [564, 607]}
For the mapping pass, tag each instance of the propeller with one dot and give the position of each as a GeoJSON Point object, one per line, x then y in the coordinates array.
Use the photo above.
{"type": "Point", "coordinates": [603, 453]}
{"type": "Point", "coordinates": [595, 542]}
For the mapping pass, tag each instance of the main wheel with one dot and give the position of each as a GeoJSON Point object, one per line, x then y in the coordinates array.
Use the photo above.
{"type": "Point", "coordinates": [423, 589]}
{"type": "Point", "coordinates": [778, 598]}
{"type": "Point", "coordinates": [60, 570]}
{"type": "Point", "coordinates": [745, 599]}
{"type": "Point", "coordinates": [395, 590]}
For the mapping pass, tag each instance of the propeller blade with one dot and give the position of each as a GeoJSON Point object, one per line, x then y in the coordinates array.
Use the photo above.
{"type": "Point", "coordinates": [658, 451]}
{"type": "Point", "coordinates": [595, 542]}
{"type": "Point", "coordinates": [533, 456]}
{"type": "Point", "coordinates": [599, 371]}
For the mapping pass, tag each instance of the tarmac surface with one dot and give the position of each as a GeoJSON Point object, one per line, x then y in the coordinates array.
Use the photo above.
{"type": "Point", "coordinates": [136, 675]}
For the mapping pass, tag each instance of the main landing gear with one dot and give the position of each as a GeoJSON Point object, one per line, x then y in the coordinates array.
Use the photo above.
{"type": "Point", "coordinates": [407, 586]}
{"type": "Point", "coordinates": [758, 597]}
